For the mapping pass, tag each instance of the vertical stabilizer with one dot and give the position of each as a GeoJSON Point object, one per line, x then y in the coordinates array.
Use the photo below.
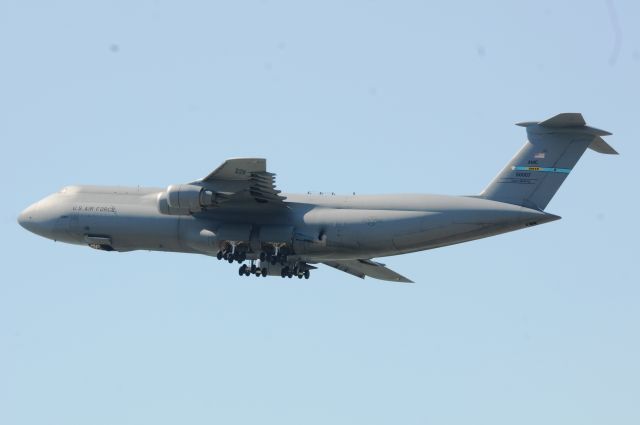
{"type": "Point", "coordinates": [553, 148]}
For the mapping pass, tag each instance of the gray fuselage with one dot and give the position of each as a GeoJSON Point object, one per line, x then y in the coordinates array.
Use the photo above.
{"type": "Point", "coordinates": [236, 213]}
{"type": "Point", "coordinates": [314, 227]}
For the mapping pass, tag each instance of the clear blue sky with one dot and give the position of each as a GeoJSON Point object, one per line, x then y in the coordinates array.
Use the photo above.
{"type": "Point", "coordinates": [535, 327]}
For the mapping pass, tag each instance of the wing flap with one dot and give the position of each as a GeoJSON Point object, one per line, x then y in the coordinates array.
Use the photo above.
{"type": "Point", "coordinates": [362, 268]}
{"type": "Point", "coordinates": [245, 179]}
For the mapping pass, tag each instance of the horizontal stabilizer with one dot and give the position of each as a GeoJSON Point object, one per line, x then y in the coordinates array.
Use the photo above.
{"type": "Point", "coordinates": [574, 122]}
{"type": "Point", "coordinates": [600, 146]}
{"type": "Point", "coordinates": [566, 119]}
{"type": "Point", "coordinates": [362, 268]}
{"type": "Point", "coordinates": [553, 147]}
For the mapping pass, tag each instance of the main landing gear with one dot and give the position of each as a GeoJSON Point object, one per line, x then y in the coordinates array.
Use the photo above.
{"type": "Point", "coordinates": [273, 259]}
{"type": "Point", "coordinates": [298, 270]}
{"type": "Point", "coordinates": [245, 270]}
{"type": "Point", "coordinates": [232, 253]}
{"type": "Point", "coordinates": [277, 255]}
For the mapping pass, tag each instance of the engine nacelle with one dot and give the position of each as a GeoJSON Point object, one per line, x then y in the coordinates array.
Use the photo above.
{"type": "Point", "coordinates": [185, 199]}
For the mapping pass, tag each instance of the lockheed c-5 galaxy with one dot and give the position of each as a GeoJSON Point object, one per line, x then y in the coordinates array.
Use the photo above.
{"type": "Point", "coordinates": [236, 214]}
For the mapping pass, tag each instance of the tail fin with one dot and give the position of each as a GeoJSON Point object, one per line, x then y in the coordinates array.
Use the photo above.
{"type": "Point", "coordinates": [553, 148]}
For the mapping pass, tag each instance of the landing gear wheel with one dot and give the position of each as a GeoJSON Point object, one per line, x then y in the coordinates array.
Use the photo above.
{"type": "Point", "coordinates": [307, 273]}
{"type": "Point", "coordinates": [219, 255]}
{"type": "Point", "coordinates": [242, 270]}
{"type": "Point", "coordinates": [264, 272]}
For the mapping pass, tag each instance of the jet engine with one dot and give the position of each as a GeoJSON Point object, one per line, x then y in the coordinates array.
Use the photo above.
{"type": "Point", "coordinates": [186, 199]}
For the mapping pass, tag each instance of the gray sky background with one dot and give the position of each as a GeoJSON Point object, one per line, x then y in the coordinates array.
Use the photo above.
{"type": "Point", "coordinates": [538, 326]}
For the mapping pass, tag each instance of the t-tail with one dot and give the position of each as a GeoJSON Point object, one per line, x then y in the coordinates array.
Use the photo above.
{"type": "Point", "coordinates": [553, 148]}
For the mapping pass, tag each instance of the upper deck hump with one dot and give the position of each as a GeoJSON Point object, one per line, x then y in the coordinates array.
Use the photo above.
{"type": "Point", "coordinates": [109, 190]}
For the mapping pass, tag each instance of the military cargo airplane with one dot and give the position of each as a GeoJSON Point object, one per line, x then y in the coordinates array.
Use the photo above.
{"type": "Point", "coordinates": [237, 215]}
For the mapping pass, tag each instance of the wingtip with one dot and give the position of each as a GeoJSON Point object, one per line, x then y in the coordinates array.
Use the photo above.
{"type": "Point", "coordinates": [403, 279]}
{"type": "Point", "coordinates": [526, 123]}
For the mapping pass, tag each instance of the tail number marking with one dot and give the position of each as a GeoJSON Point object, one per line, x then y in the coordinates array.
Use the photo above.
{"type": "Point", "coordinates": [541, 169]}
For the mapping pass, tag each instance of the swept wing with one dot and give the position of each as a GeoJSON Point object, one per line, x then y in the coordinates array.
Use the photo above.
{"type": "Point", "coordinates": [244, 179]}
{"type": "Point", "coordinates": [362, 268]}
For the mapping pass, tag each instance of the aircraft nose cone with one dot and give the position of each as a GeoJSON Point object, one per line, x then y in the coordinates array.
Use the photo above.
{"type": "Point", "coordinates": [26, 218]}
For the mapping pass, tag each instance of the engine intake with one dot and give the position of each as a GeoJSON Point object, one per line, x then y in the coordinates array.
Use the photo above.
{"type": "Point", "coordinates": [185, 199]}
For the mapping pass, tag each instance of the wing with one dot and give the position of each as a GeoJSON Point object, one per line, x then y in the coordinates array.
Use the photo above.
{"type": "Point", "coordinates": [362, 268]}
{"type": "Point", "coordinates": [244, 179]}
